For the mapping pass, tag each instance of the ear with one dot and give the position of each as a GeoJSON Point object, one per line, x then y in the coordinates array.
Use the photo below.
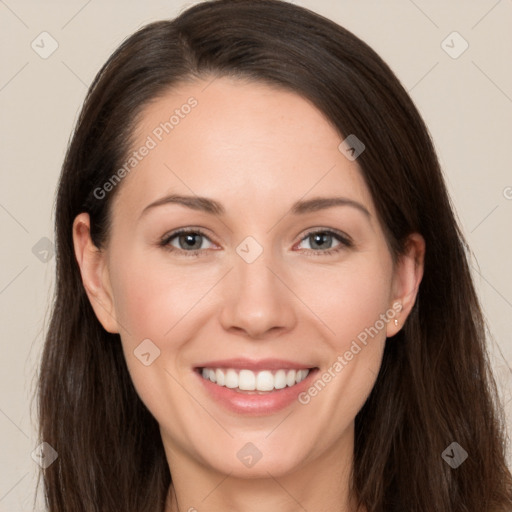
{"type": "Point", "coordinates": [406, 281]}
{"type": "Point", "coordinates": [94, 270]}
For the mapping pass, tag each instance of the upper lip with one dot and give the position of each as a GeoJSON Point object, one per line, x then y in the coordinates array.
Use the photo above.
{"type": "Point", "coordinates": [255, 365]}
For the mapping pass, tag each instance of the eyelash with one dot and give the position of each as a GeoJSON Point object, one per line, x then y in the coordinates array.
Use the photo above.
{"type": "Point", "coordinates": [345, 241]}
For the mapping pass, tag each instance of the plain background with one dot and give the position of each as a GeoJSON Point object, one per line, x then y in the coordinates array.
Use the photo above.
{"type": "Point", "coordinates": [465, 101]}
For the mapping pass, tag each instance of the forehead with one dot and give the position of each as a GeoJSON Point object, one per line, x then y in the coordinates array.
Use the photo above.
{"type": "Point", "coordinates": [244, 142]}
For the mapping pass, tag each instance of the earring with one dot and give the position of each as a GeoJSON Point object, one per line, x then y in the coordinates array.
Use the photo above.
{"type": "Point", "coordinates": [399, 304]}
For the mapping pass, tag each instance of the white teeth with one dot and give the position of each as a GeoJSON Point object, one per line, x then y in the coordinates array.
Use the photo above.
{"type": "Point", "coordinates": [231, 379]}
{"type": "Point", "coordinates": [209, 374]}
{"type": "Point", "coordinates": [265, 381]}
{"type": "Point", "coordinates": [290, 378]}
{"type": "Point", "coordinates": [280, 379]}
{"type": "Point", "coordinates": [219, 375]}
{"type": "Point", "coordinates": [301, 375]}
{"type": "Point", "coordinates": [247, 380]}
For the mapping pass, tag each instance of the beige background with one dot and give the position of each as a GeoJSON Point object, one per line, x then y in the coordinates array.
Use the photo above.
{"type": "Point", "coordinates": [466, 102]}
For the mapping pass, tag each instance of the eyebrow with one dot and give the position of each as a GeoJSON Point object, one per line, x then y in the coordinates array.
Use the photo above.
{"type": "Point", "coordinates": [300, 207]}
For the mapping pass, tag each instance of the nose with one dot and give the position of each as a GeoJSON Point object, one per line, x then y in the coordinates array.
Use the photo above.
{"type": "Point", "coordinates": [257, 301]}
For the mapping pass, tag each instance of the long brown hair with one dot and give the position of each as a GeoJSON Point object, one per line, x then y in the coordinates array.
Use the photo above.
{"type": "Point", "coordinates": [435, 386]}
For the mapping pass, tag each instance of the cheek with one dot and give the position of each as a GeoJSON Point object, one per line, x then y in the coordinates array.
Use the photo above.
{"type": "Point", "coordinates": [349, 299]}
{"type": "Point", "coordinates": [353, 309]}
{"type": "Point", "coordinates": [161, 303]}
{"type": "Point", "coordinates": [151, 297]}
{"type": "Point", "coordinates": [366, 297]}
{"type": "Point", "coordinates": [151, 303]}
{"type": "Point", "coordinates": [361, 325]}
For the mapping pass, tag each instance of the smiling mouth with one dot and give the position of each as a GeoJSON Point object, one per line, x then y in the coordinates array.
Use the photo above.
{"type": "Point", "coordinates": [249, 382]}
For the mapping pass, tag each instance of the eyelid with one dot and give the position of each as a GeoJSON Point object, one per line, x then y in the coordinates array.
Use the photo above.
{"type": "Point", "coordinates": [166, 239]}
{"type": "Point", "coordinates": [345, 241]}
{"type": "Point", "coordinates": [343, 236]}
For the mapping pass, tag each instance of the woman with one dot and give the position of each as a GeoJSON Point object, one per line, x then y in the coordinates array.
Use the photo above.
{"type": "Point", "coordinates": [263, 298]}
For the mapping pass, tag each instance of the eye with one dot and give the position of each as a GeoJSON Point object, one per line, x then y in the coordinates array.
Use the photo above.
{"type": "Point", "coordinates": [321, 241]}
{"type": "Point", "coordinates": [188, 241]}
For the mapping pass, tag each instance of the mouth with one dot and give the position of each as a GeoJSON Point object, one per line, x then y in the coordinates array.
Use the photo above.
{"type": "Point", "coordinates": [252, 388]}
{"type": "Point", "coordinates": [254, 382]}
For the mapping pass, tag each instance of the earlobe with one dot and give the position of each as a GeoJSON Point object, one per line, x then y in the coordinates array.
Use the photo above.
{"type": "Point", "coordinates": [406, 281]}
{"type": "Point", "coordinates": [94, 272]}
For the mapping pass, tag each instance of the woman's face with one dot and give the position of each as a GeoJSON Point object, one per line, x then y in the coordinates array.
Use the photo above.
{"type": "Point", "coordinates": [285, 269]}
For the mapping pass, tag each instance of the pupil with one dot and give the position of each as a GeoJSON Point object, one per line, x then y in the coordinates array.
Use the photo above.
{"type": "Point", "coordinates": [189, 240]}
{"type": "Point", "coordinates": [321, 237]}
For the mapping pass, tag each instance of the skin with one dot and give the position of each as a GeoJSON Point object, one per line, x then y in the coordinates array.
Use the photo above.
{"type": "Point", "coordinates": [256, 150]}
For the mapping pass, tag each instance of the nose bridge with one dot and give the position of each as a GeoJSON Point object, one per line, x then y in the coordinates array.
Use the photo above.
{"type": "Point", "coordinates": [256, 300]}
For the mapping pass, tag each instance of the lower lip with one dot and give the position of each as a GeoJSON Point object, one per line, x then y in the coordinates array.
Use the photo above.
{"type": "Point", "coordinates": [254, 404]}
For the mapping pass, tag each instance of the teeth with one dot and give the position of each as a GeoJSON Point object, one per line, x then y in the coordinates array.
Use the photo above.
{"type": "Point", "coordinates": [219, 375]}
{"type": "Point", "coordinates": [280, 379]}
{"type": "Point", "coordinates": [231, 379]}
{"type": "Point", "coordinates": [264, 381]}
{"type": "Point", "coordinates": [247, 380]}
